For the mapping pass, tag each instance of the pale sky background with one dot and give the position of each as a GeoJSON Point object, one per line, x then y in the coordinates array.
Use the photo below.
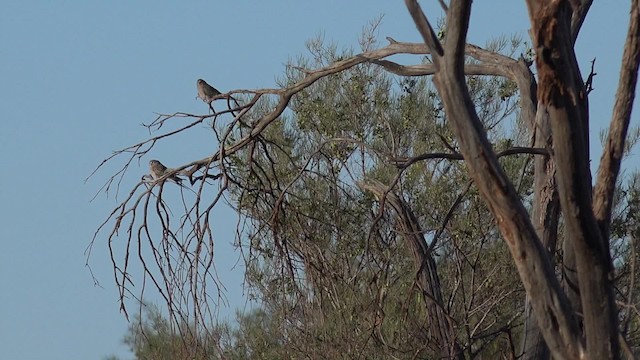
{"type": "Point", "coordinates": [77, 78]}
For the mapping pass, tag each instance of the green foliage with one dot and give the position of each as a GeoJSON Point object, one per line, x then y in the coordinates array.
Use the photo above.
{"type": "Point", "coordinates": [330, 264]}
{"type": "Point", "coordinates": [331, 267]}
{"type": "Point", "coordinates": [153, 336]}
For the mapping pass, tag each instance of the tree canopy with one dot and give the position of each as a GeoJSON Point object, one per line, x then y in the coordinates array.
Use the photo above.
{"type": "Point", "coordinates": [443, 208]}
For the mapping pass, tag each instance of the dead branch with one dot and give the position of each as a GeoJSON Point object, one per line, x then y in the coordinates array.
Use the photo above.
{"type": "Point", "coordinates": [614, 148]}
{"type": "Point", "coordinates": [531, 259]}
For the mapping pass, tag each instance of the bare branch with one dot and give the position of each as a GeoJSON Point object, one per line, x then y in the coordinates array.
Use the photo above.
{"type": "Point", "coordinates": [530, 257]}
{"type": "Point", "coordinates": [562, 91]}
{"type": "Point", "coordinates": [406, 162]}
{"type": "Point", "coordinates": [614, 148]}
{"type": "Point", "coordinates": [427, 272]}
{"type": "Point", "coordinates": [425, 29]}
{"type": "Point", "coordinates": [580, 10]}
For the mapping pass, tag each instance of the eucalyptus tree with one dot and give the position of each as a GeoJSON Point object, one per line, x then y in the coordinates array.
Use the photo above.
{"type": "Point", "coordinates": [378, 209]}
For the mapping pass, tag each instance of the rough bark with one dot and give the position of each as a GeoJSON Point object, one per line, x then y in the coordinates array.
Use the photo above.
{"type": "Point", "coordinates": [549, 303]}
{"type": "Point", "coordinates": [546, 209]}
{"type": "Point", "coordinates": [546, 206]}
{"type": "Point", "coordinates": [562, 91]}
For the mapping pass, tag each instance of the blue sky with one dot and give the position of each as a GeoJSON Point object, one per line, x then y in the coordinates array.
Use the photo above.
{"type": "Point", "coordinates": [77, 78]}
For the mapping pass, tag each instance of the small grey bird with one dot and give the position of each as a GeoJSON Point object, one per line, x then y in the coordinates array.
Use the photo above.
{"type": "Point", "coordinates": [158, 171]}
{"type": "Point", "coordinates": [206, 92]}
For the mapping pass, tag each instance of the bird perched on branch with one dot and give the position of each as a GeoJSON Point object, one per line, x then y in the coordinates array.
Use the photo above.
{"type": "Point", "coordinates": [158, 171]}
{"type": "Point", "coordinates": [206, 92]}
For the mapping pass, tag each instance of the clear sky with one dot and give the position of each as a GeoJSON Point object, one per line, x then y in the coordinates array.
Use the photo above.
{"type": "Point", "coordinates": [77, 78]}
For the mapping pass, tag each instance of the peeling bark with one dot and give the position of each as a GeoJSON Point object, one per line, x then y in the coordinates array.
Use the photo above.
{"type": "Point", "coordinates": [562, 91]}
{"type": "Point", "coordinates": [550, 305]}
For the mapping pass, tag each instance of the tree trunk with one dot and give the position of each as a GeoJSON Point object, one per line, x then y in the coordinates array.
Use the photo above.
{"type": "Point", "coordinates": [553, 313]}
{"type": "Point", "coordinates": [563, 92]}
{"type": "Point", "coordinates": [546, 211]}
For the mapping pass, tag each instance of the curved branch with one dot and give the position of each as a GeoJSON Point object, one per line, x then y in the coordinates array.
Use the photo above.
{"type": "Point", "coordinates": [406, 162]}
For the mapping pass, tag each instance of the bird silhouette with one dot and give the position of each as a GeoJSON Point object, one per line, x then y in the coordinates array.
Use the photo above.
{"type": "Point", "coordinates": [158, 171]}
{"type": "Point", "coordinates": [206, 92]}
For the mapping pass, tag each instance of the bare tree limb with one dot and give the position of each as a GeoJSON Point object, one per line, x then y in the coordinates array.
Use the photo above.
{"type": "Point", "coordinates": [580, 10]}
{"type": "Point", "coordinates": [427, 272]}
{"type": "Point", "coordinates": [552, 310]}
{"type": "Point", "coordinates": [561, 90]}
{"type": "Point", "coordinates": [614, 148]}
